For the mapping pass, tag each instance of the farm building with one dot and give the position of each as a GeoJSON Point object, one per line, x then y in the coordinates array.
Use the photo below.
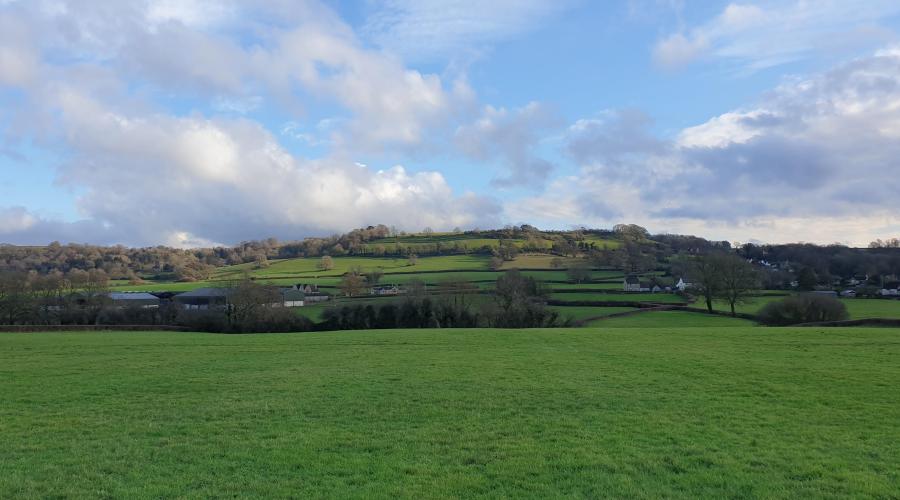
{"type": "Point", "coordinates": [141, 300]}
{"type": "Point", "coordinates": [311, 292]}
{"type": "Point", "coordinates": [632, 284]}
{"type": "Point", "coordinates": [292, 298]}
{"type": "Point", "coordinates": [891, 289]}
{"type": "Point", "coordinates": [204, 298]}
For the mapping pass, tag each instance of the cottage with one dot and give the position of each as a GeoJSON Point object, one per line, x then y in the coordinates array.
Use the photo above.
{"type": "Point", "coordinates": [292, 298]}
{"type": "Point", "coordinates": [387, 290]}
{"type": "Point", "coordinates": [632, 284]}
{"type": "Point", "coordinates": [311, 292]}
{"type": "Point", "coordinates": [656, 289]}
{"type": "Point", "coordinates": [890, 289]}
{"type": "Point", "coordinates": [140, 300]}
{"type": "Point", "coordinates": [848, 293]}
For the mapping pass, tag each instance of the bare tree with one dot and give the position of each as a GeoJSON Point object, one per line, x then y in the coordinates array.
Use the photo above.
{"type": "Point", "coordinates": [705, 278]}
{"type": "Point", "coordinates": [352, 284]}
{"type": "Point", "coordinates": [326, 263]}
{"type": "Point", "coordinates": [579, 273]}
{"type": "Point", "coordinates": [737, 278]}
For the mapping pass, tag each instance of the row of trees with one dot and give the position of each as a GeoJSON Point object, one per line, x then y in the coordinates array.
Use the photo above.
{"type": "Point", "coordinates": [519, 302]}
{"type": "Point", "coordinates": [719, 275]}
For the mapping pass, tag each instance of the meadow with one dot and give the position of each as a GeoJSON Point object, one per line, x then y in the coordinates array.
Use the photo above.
{"type": "Point", "coordinates": [595, 412]}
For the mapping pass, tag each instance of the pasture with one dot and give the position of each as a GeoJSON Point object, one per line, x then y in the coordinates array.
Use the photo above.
{"type": "Point", "coordinates": [595, 412]}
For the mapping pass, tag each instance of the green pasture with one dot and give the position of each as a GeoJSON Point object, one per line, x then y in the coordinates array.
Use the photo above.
{"type": "Point", "coordinates": [583, 413]}
{"type": "Point", "coordinates": [671, 319]}
{"type": "Point", "coordinates": [579, 313]}
{"type": "Point", "coordinates": [667, 298]}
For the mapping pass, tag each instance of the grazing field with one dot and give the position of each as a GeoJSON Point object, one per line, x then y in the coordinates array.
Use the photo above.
{"type": "Point", "coordinates": [858, 308]}
{"type": "Point", "coordinates": [671, 319]}
{"type": "Point", "coordinates": [578, 313]}
{"type": "Point", "coordinates": [308, 267]}
{"type": "Point", "coordinates": [667, 298]}
{"type": "Point", "coordinates": [872, 308]}
{"type": "Point", "coordinates": [596, 412]}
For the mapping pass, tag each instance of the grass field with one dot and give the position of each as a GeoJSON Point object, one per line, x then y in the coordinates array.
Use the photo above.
{"type": "Point", "coordinates": [671, 319]}
{"type": "Point", "coordinates": [619, 297]}
{"type": "Point", "coordinates": [858, 308]}
{"type": "Point", "coordinates": [580, 312]}
{"type": "Point", "coordinates": [616, 413]}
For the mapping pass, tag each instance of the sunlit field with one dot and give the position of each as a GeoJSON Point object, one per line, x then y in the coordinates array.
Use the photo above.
{"type": "Point", "coordinates": [594, 412]}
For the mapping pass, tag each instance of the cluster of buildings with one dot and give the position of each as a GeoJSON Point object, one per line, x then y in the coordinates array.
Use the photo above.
{"type": "Point", "coordinates": [633, 283]}
{"type": "Point", "coordinates": [213, 298]}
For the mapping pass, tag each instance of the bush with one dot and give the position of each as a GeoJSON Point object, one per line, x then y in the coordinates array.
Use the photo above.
{"type": "Point", "coordinates": [804, 308]}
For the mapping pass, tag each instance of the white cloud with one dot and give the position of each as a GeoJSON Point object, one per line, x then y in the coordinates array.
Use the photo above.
{"type": "Point", "coordinates": [512, 139]}
{"type": "Point", "coordinates": [428, 29]}
{"type": "Point", "coordinates": [753, 37]}
{"type": "Point", "coordinates": [163, 177]}
{"type": "Point", "coordinates": [815, 160]}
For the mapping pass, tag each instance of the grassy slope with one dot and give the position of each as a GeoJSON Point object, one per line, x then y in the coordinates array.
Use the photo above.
{"type": "Point", "coordinates": [671, 319]}
{"type": "Point", "coordinates": [600, 413]}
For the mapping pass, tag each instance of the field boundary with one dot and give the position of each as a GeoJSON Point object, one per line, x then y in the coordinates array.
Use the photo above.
{"type": "Point", "coordinates": [92, 328]}
{"type": "Point", "coordinates": [886, 322]}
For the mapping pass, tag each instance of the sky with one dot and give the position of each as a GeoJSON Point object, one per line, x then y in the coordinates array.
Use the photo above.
{"type": "Point", "coordinates": [206, 122]}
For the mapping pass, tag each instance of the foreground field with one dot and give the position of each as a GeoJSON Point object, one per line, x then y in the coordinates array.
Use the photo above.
{"type": "Point", "coordinates": [665, 412]}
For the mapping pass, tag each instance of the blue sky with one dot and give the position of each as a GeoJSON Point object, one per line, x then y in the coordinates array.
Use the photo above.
{"type": "Point", "coordinates": [199, 122]}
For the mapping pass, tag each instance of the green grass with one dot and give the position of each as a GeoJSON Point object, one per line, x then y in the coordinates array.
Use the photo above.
{"type": "Point", "coordinates": [308, 267]}
{"type": "Point", "coordinates": [858, 308]}
{"type": "Point", "coordinates": [581, 312]}
{"type": "Point", "coordinates": [872, 308]}
{"type": "Point", "coordinates": [671, 319]}
{"type": "Point", "coordinates": [619, 297]}
{"type": "Point", "coordinates": [617, 286]}
{"type": "Point", "coordinates": [594, 412]}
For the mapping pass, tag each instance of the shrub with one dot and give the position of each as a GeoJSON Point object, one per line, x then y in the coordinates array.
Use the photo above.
{"type": "Point", "coordinates": [804, 308]}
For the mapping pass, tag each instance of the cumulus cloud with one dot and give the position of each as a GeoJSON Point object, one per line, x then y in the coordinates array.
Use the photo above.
{"type": "Point", "coordinates": [148, 175]}
{"type": "Point", "coordinates": [511, 138]}
{"type": "Point", "coordinates": [754, 37]}
{"type": "Point", "coordinates": [220, 179]}
{"type": "Point", "coordinates": [819, 149]}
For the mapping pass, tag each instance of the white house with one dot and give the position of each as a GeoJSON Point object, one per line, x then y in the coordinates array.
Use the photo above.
{"type": "Point", "coordinates": [683, 284]}
{"type": "Point", "coordinates": [891, 290]}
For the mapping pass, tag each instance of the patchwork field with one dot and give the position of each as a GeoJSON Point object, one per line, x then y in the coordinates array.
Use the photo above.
{"type": "Point", "coordinates": [597, 412]}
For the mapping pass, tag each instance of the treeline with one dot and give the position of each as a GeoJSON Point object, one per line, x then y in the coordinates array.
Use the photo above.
{"type": "Point", "coordinates": [82, 298]}
{"type": "Point", "coordinates": [518, 302]}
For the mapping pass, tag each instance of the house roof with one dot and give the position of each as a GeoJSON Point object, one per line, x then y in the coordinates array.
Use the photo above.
{"type": "Point", "coordinates": [206, 292]}
{"type": "Point", "coordinates": [292, 295]}
{"type": "Point", "coordinates": [132, 296]}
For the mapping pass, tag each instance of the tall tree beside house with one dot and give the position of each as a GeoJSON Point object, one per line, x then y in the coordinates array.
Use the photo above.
{"type": "Point", "coordinates": [352, 284]}
{"type": "Point", "coordinates": [807, 279]}
{"type": "Point", "coordinates": [738, 279]}
{"type": "Point", "coordinates": [374, 276]}
{"type": "Point", "coordinates": [579, 273]}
